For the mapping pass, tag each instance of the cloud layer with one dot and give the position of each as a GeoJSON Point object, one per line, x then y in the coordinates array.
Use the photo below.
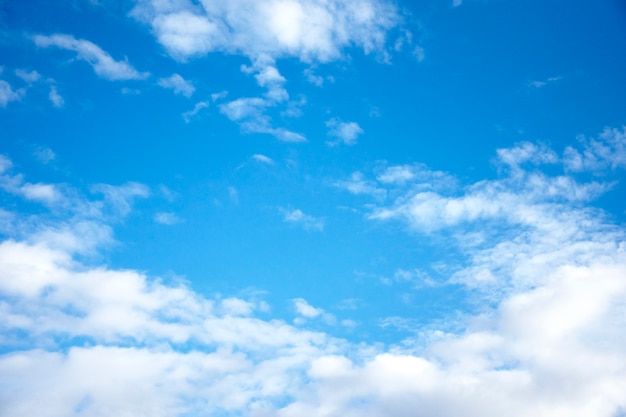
{"type": "Point", "coordinates": [545, 270]}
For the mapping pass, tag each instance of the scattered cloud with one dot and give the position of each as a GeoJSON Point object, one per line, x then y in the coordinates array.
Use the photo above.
{"type": "Point", "coordinates": [28, 76]}
{"type": "Point", "coordinates": [55, 98]}
{"type": "Point", "coordinates": [249, 112]}
{"type": "Point", "coordinates": [307, 311]}
{"type": "Point", "coordinates": [346, 132]}
{"type": "Point", "coordinates": [7, 94]}
{"type": "Point", "coordinates": [101, 62]}
{"type": "Point", "coordinates": [263, 159]}
{"type": "Point", "coordinates": [307, 222]}
{"type": "Point", "coordinates": [419, 54]}
{"type": "Point", "coordinates": [539, 84]}
{"type": "Point", "coordinates": [357, 184]}
{"type": "Point", "coordinates": [178, 84]}
{"type": "Point", "coordinates": [44, 155]}
{"type": "Point", "coordinates": [167, 218]}
{"type": "Point", "coordinates": [314, 79]}
{"type": "Point", "coordinates": [121, 198]}
{"type": "Point", "coordinates": [188, 115]}
{"type": "Point", "coordinates": [550, 284]}
{"type": "Point", "coordinates": [607, 151]}
{"type": "Point", "coordinates": [308, 30]}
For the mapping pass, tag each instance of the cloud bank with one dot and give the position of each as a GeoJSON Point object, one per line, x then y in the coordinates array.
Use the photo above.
{"type": "Point", "coordinates": [545, 270]}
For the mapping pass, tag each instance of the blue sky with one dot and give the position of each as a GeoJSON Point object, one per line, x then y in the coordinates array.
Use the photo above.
{"type": "Point", "coordinates": [289, 208]}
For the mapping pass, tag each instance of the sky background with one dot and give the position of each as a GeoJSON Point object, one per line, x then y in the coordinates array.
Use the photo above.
{"type": "Point", "coordinates": [288, 208]}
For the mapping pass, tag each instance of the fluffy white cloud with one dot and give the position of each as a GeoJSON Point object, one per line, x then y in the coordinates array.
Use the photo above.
{"type": "Point", "coordinates": [7, 94]}
{"type": "Point", "coordinates": [306, 29]}
{"type": "Point", "coordinates": [102, 63]}
{"type": "Point", "coordinates": [548, 339]}
{"type": "Point", "coordinates": [266, 31]}
{"type": "Point", "coordinates": [178, 84]}
{"type": "Point", "coordinates": [346, 132]}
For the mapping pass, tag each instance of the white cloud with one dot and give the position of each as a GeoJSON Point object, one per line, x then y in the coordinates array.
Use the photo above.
{"type": "Point", "coordinates": [120, 198]}
{"type": "Point", "coordinates": [40, 192]}
{"type": "Point", "coordinates": [44, 155]}
{"type": "Point", "coordinates": [305, 309]}
{"type": "Point", "coordinates": [346, 132]}
{"type": "Point", "coordinates": [178, 84]}
{"type": "Point", "coordinates": [539, 84]}
{"type": "Point", "coordinates": [313, 78]}
{"type": "Point", "coordinates": [308, 222]}
{"type": "Point", "coordinates": [263, 159]}
{"type": "Point", "coordinates": [250, 113]}
{"type": "Point", "coordinates": [29, 77]}
{"type": "Point", "coordinates": [419, 54]}
{"type": "Point", "coordinates": [306, 29]}
{"type": "Point", "coordinates": [196, 109]}
{"type": "Point", "coordinates": [55, 97]}
{"type": "Point", "coordinates": [548, 341]}
{"type": "Point", "coordinates": [167, 218]}
{"type": "Point", "coordinates": [357, 184]}
{"type": "Point", "coordinates": [7, 94]}
{"type": "Point", "coordinates": [608, 151]}
{"type": "Point", "coordinates": [102, 63]}
{"type": "Point", "coordinates": [397, 174]}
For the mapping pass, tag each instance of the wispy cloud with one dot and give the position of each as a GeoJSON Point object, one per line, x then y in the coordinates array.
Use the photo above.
{"type": "Point", "coordinates": [28, 76]}
{"type": "Point", "coordinates": [101, 62]}
{"type": "Point", "coordinates": [543, 83]}
{"type": "Point", "coordinates": [188, 115]}
{"type": "Point", "coordinates": [263, 159]}
{"type": "Point", "coordinates": [167, 218]}
{"type": "Point", "coordinates": [346, 132]}
{"type": "Point", "coordinates": [249, 112]}
{"type": "Point", "coordinates": [177, 84]}
{"type": "Point", "coordinates": [306, 221]}
{"type": "Point", "coordinates": [55, 98]}
{"type": "Point", "coordinates": [7, 94]}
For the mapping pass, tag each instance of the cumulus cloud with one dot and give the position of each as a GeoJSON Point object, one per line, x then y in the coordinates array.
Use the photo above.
{"type": "Point", "coordinates": [306, 29]}
{"type": "Point", "coordinates": [346, 132]}
{"type": "Point", "coordinates": [178, 84]}
{"type": "Point", "coordinates": [101, 62]}
{"type": "Point", "coordinates": [547, 340]}
{"type": "Point", "coordinates": [7, 94]}
{"type": "Point", "coordinates": [265, 31]}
